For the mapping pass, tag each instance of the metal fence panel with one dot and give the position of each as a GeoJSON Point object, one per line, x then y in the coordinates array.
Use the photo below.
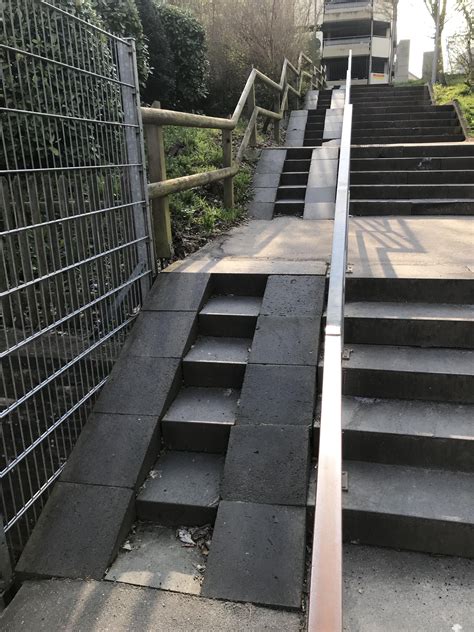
{"type": "Point", "coordinates": [74, 238]}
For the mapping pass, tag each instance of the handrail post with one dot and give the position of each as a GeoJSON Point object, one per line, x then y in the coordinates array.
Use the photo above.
{"type": "Point", "coordinates": [160, 210]}
{"type": "Point", "coordinates": [276, 122]}
{"type": "Point", "coordinates": [227, 162]}
{"type": "Point", "coordinates": [251, 108]}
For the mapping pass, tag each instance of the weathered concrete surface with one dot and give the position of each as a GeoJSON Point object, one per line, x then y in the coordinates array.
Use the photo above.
{"type": "Point", "coordinates": [175, 292]}
{"type": "Point", "coordinates": [378, 246]}
{"type": "Point", "coordinates": [257, 554]}
{"type": "Point", "coordinates": [89, 606]}
{"type": "Point", "coordinates": [394, 591]}
{"type": "Point", "coordinates": [289, 295]}
{"type": "Point", "coordinates": [286, 340]}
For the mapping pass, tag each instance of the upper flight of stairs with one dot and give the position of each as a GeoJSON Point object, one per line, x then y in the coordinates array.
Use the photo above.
{"type": "Point", "coordinates": [387, 115]}
{"type": "Point", "coordinates": [313, 136]}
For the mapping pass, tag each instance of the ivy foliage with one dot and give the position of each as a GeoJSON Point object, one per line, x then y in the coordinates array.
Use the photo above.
{"type": "Point", "coordinates": [180, 69]}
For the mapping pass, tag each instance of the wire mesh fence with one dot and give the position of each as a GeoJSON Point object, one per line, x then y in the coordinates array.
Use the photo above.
{"type": "Point", "coordinates": [74, 238]}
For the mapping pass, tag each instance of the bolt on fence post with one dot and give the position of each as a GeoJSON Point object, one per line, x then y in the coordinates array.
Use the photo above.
{"type": "Point", "coordinates": [227, 160]}
{"type": "Point", "coordinates": [251, 108]}
{"type": "Point", "coordinates": [276, 122]}
{"type": "Point", "coordinates": [161, 219]}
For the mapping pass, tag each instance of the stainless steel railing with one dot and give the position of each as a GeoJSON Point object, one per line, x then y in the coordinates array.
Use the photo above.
{"type": "Point", "coordinates": [325, 600]}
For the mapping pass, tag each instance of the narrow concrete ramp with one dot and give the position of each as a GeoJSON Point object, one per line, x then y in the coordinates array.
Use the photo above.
{"type": "Point", "coordinates": [90, 606]}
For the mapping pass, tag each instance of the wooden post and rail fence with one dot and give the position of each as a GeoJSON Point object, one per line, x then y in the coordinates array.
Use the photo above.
{"type": "Point", "coordinates": [155, 119]}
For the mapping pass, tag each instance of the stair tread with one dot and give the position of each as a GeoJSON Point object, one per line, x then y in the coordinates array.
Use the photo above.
{"type": "Point", "coordinates": [231, 305]}
{"type": "Point", "coordinates": [417, 492]}
{"type": "Point", "coordinates": [410, 359]}
{"type": "Point", "coordinates": [184, 478]}
{"type": "Point", "coordinates": [195, 404]}
{"type": "Point", "coordinates": [408, 417]}
{"type": "Point", "coordinates": [411, 311]}
{"type": "Point", "coordinates": [220, 350]}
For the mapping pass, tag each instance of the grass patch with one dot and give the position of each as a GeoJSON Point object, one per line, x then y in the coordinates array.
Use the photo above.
{"type": "Point", "coordinates": [464, 94]}
{"type": "Point", "coordinates": [198, 214]}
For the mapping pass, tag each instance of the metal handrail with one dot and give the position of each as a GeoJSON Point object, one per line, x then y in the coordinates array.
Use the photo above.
{"type": "Point", "coordinates": [325, 599]}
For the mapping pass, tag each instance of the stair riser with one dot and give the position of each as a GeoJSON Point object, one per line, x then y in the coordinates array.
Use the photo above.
{"type": "Point", "coordinates": [409, 533]}
{"type": "Point", "coordinates": [417, 165]}
{"type": "Point", "coordinates": [381, 133]}
{"type": "Point", "coordinates": [364, 102]}
{"type": "Point", "coordinates": [312, 143]}
{"type": "Point", "coordinates": [296, 165]}
{"type": "Point", "coordinates": [284, 193]}
{"type": "Point", "coordinates": [239, 284]}
{"type": "Point", "coordinates": [219, 374]}
{"type": "Point", "coordinates": [298, 154]}
{"type": "Point", "coordinates": [169, 515]}
{"type": "Point", "coordinates": [416, 177]}
{"type": "Point", "coordinates": [296, 209]}
{"type": "Point", "coordinates": [396, 449]}
{"type": "Point", "coordinates": [390, 126]}
{"type": "Point", "coordinates": [237, 326]}
{"type": "Point", "coordinates": [443, 151]}
{"type": "Point", "coordinates": [407, 116]}
{"type": "Point", "coordinates": [394, 140]}
{"type": "Point", "coordinates": [416, 333]}
{"type": "Point", "coordinates": [452, 291]}
{"type": "Point", "coordinates": [294, 179]}
{"type": "Point", "coordinates": [408, 385]}
{"type": "Point", "coordinates": [412, 108]}
{"type": "Point", "coordinates": [195, 437]}
{"type": "Point", "coordinates": [374, 208]}
{"type": "Point", "coordinates": [411, 192]}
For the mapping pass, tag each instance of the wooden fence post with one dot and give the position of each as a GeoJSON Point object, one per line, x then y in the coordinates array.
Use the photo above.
{"type": "Point", "coordinates": [251, 108]}
{"type": "Point", "coordinates": [276, 122]}
{"type": "Point", "coordinates": [227, 160]}
{"type": "Point", "coordinates": [160, 210]}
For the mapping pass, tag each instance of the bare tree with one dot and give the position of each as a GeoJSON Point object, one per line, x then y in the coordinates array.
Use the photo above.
{"type": "Point", "coordinates": [433, 6]}
{"type": "Point", "coordinates": [461, 45]}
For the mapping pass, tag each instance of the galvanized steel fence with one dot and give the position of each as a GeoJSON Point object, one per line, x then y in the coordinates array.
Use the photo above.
{"type": "Point", "coordinates": [74, 238]}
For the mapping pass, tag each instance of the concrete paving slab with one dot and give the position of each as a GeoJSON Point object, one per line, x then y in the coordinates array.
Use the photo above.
{"type": "Point", "coordinates": [286, 340]}
{"type": "Point", "coordinates": [184, 488]}
{"type": "Point", "coordinates": [257, 554]}
{"type": "Point", "coordinates": [161, 335]}
{"type": "Point", "coordinates": [90, 606]}
{"type": "Point", "coordinates": [140, 386]}
{"type": "Point", "coordinates": [78, 533]}
{"type": "Point", "coordinates": [158, 559]}
{"type": "Point", "coordinates": [261, 210]}
{"type": "Point", "coordinates": [320, 194]}
{"type": "Point", "coordinates": [394, 590]}
{"type": "Point", "coordinates": [115, 450]}
{"type": "Point", "coordinates": [265, 194]}
{"type": "Point", "coordinates": [255, 453]}
{"type": "Point", "coordinates": [319, 210]}
{"type": "Point", "coordinates": [288, 295]}
{"type": "Point", "coordinates": [271, 161]}
{"type": "Point", "coordinates": [390, 247]}
{"type": "Point", "coordinates": [322, 173]}
{"type": "Point", "coordinates": [266, 180]}
{"type": "Point", "coordinates": [177, 292]}
{"type": "Point", "coordinates": [325, 152]}
{"type": "Point", "coordinates": [280, 395]}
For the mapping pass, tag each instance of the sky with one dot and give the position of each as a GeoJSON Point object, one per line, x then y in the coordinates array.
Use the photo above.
{"type": "Point", "coordinates": [415, 24]}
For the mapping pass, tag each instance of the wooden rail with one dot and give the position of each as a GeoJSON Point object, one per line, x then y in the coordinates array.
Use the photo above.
{"type": "Point", "coordinates": [154, 118]}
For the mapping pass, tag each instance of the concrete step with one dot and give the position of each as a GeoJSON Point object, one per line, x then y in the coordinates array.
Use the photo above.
{"type": "Point", "coordinates": [200, 419]}
{"type": "Point", "coordinates": [429, 152]}
{"type": "Point", "coordinates": [409, 508]}
{"type": "Point", "coordinates": [412, 191]}
{"type": "Point", "coordinates": [216, 361]}
{"type": "Point", "coordinates": [291, 192]}
{"type": "Point", "coordinates": [381, 132]}
{"type": "Point", "coordinates": [297, 165]}
{"type": "Point", "coordinates": [417, 324]}
{"type": "Point", "coordinates": [398, 290]}
{"type": "Point", "coordinates": [404, 432]}
{"type": "Point", "coordinates": [420, 164]}
{"type": "Point", "coordinates": [371, 208]}
{"type": "Point", "coordinates": [433, 115]}
{"type": "Point", "coordinates": [294, 178]}
{"type": "Point", "coordinates": [289, 207]}
{"type": "Point", "coordinates": [182, 489]}
{"type": "Point", "coordinates": [362, 102]}
{"type": "Point", "coordinates": [401, 372]}
{"type": "Point", "coordinates": [230, 315]}
{"type": "Point", "coordinates": [238, 284]}
{"type": "Point", "coordinates": [399, 108]}
{"type": "Point", "coordinates": [431, 176]}
{"type": "Point", "coordinates": [422, 138]}
{"type": "Point", "coordinates": [389, 124]}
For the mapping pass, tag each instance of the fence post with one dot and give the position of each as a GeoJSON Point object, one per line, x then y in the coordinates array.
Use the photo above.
{"type": "Point", "coordinates": [251, 108]}
{"type": "Point", "coordinates": [227, 160]}
{"type": "Point", "coordinates": [160, 209]}
{"type": "Point", "coordinates": [6, 571]}
{"type": "Point", "coordinates": [276, 122]}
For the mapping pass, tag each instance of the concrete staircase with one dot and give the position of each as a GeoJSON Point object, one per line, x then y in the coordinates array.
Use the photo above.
{"type": "Point", "coordinates": [290, 195]}
{"type": "Point", "coordinates": [385, 115]}
{"type": "Point", "coordinates": [408, 380]}
{"type": "Point", "coordinates": [313, 136]}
